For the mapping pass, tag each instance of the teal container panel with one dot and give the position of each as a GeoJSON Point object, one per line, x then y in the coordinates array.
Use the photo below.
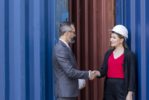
{"type": "Point", "coordinates": [134, 14]}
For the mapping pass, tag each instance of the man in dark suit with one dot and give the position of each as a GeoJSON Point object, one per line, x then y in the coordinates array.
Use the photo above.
{"type": "Point", "coordinates": [65, 65]}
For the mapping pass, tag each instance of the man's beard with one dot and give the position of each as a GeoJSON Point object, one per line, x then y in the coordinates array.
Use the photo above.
{"type": "Point", "coordinates": [72, 40]}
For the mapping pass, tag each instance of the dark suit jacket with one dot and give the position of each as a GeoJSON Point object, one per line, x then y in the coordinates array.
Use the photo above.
{"type": "Point", "coordinates": [66, 72]}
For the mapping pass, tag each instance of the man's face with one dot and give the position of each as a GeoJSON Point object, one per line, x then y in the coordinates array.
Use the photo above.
{"type": "Point", "coordinates": [72, 35]}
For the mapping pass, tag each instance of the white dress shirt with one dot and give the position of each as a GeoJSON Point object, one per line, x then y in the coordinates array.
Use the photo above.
{"type": "Point", "coordinates": [65, 43]}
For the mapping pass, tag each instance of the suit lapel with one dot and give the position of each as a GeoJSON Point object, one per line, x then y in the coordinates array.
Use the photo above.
{"type": "Point", "coordinates": [64, 45]}
{"type": "Point", "coordinates": [68, 49]}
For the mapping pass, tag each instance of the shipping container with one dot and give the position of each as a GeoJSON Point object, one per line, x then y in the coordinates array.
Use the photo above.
{"type": "Point", "coordinates": [28, 31]}
{"type": "Point", "coordinates": [134, 14]}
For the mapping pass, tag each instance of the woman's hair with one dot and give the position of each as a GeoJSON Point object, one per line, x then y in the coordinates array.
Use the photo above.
{"type": "Point", "coordinates": [124, 40]}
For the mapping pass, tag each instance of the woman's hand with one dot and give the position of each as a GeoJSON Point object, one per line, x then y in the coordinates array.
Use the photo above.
{"type": "Point", "coordinates": [97, 73]}
{"type": "Point", "coordinates": [129, 96]}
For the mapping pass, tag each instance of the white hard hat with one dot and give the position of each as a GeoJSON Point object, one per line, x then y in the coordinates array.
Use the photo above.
{"type": "Point", "coordinates": [120, 29]}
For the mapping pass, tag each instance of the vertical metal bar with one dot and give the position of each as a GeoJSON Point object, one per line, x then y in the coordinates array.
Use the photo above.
{"type": "Point", "coordinates": [120, 11]}
{"type": "Point", "coordinates": [15, 51]}
{"type": "Point", "coordinates": [6, 24]}
{"type": "Point", "coordinates": [143, 50]}
{"type": "Point", "coordinates": [27, 58]}
{"type": "Point", "coordinates": [31, 50]}
{"type": "Point", "coordinates": [78, 29]}
{"type": "Point", "coordinates": [36, 49]}
{"type": "Point", "coordinates": [11, 52]}
{"type": "Point", "coordinates": [146, 2]}
{"type": "Point", "coordinates": [133, 24]}
{"type": "Point", "coordinates": [84, 40]}
{"type": "Point", "coordinates": [43, 45]}
{"type": "Point", "coordinates": [51, 41]}
{"type": "Point", "coordinates": [22, 48]}
{"type": "Point", "coordinates": [2, 49]}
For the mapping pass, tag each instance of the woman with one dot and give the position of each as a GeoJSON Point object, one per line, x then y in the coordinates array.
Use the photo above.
{"type": "Point", "coordinates": [118, 67]}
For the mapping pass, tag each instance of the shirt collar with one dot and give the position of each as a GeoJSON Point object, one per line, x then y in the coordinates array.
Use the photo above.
{"type": "Point", "coordinates": [64, 43]}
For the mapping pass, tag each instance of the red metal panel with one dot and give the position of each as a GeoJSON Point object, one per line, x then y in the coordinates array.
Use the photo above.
{"type": "Point", "coordinates": [93, 19]}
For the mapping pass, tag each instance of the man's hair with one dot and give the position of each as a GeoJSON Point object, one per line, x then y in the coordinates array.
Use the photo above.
{"type": "Point", "coordinates": [65, 27]}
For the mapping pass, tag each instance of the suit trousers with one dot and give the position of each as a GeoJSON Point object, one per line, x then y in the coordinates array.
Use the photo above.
{"type": "Point", "coordinates": [114, 89]}
{"type": "Point", "coordinates": [67, 98]}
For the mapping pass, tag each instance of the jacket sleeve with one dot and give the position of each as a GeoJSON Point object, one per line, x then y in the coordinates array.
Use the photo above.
{"type": "Point", "coordinates": [132, 73]}
{"type": "Point", "coordinates": [63, 59]}
{"type": "Point", "coordinates": [104, 67]}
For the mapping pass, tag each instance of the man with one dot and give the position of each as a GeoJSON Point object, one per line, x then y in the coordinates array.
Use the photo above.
{"type": "Point", "coordinates": [65, 65]}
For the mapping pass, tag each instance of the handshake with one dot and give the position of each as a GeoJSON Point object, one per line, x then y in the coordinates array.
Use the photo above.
{"type": "Point", "coordinates": [93, 74]}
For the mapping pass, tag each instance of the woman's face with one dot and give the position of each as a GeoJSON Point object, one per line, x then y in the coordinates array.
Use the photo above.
{"type": "Point", "coordinates": [115, 41]}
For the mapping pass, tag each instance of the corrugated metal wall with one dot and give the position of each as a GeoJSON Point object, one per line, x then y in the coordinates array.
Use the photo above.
{"type": "Point", "coordinates": [28, 31]}
{"type": "Point", "coordinates": [26, 38]}
{"type": "Point", "coordinates": [134, 14]}
{"type": "Point", "coordinates": [51, 27]}
{"type": "Point", "coordinates": [93, 19]}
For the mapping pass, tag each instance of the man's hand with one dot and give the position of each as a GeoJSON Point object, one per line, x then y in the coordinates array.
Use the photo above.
{"type": "Point", "coordinates": [129, 96]}
{"type": "Point", "coordinates": [97, 73]}
{"type": "Point", "coordinates": [93, 74]}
